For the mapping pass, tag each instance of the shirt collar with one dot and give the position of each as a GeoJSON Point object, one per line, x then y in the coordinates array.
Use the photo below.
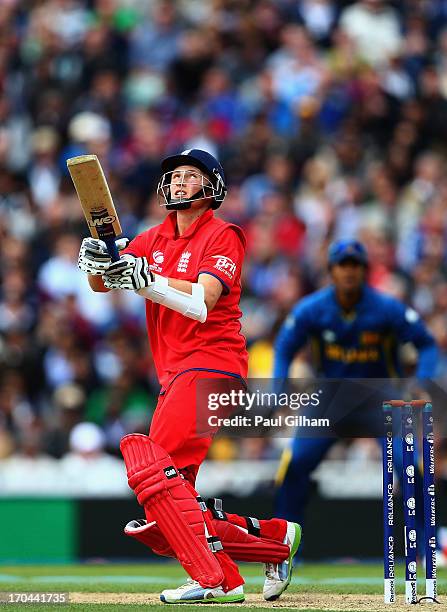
{"type": "Point", "coordinates": [168, 227]}
{"type": "Point", "coordinates": [363, 297]}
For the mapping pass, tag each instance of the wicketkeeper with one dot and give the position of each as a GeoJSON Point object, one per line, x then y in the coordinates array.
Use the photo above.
{"type": "Point", "coordinates": [356, 332]}
{"type": "Point", "coordinates": [188, 271]}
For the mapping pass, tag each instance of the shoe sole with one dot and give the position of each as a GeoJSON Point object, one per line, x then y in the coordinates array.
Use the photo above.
{"type": "Point", "coordinates": [295, 545]}
{"type": "Point", "coordinates": [224, 599]}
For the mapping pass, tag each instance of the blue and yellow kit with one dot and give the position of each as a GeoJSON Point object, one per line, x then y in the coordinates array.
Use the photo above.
{"type": "Point", "coordinates": [363, 343]}
{"type": "Point", "coordinates": [360, 344]}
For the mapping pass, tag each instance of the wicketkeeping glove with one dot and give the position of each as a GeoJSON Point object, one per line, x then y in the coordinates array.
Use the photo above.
{"type": "Point", "coordinates": [94, 257]}
{"type": "Point", "coordinates": [128, 273]}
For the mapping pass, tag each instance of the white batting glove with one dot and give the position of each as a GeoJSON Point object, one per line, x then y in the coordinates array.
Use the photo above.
{"type": "Point", "coordinates": [93, 255]}
{"type": "Point", "coordinates": [128, 273]}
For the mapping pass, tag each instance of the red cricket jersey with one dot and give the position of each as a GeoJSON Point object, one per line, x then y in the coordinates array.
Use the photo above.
{"type": "Point", "coordinates": [178, 343]}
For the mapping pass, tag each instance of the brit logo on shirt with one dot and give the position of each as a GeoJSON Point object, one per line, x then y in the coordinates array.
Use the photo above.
{"type": "Point", "coordinates": [225, 264]}
{"type": "Point", "coordinates": [183, 262]}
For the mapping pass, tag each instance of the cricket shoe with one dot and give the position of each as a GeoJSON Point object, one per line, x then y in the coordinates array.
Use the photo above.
{"type": "Point", "coordinates": [191, 592]}
{"type": "Point", "coordinates": [278, 575]}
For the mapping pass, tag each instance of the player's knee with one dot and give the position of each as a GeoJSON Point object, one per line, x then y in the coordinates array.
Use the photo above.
{"type": "Point", "coordinates": [149, 467]}
{"type": "Point", "coordinates": [157, 483]}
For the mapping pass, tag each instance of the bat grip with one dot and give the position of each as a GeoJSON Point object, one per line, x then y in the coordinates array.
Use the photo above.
{"type": "Point", "coordinates": [112, 249]}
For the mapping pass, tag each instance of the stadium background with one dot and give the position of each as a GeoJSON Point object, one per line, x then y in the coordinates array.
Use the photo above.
{"type": "Point", "coordinates": [330, 119]}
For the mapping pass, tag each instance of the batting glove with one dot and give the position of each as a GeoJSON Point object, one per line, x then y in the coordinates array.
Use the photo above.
{"type": "Point", "coordinates": [128, 273]}
{"type": "Point", "coordinates": [93, 255]}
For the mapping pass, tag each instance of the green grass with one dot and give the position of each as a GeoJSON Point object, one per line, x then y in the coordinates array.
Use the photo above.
{"type": "Point", "coordinates": [329, 578]}
{"type": "Point", "coordinates": [340, 578]}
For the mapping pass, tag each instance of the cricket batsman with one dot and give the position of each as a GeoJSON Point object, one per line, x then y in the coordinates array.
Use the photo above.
{"type": "Point", "coordinates": [355, 332]}
{"type": "Point", "coordinates": [187, 270]}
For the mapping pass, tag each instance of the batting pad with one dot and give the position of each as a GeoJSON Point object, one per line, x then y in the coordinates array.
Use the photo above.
{"type": "Point", "coordinates": [237, 543]}
{"type": "Point", "coordinates": [242, 546]}
{"type": "Point", "coordinates": [158, 485]}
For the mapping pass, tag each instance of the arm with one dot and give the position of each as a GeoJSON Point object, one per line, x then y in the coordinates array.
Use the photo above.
{"type": "Point", "coordinates": [193, 300]}
{"type": "Point", "coordinates": [212, 286]}
{"type": "Point", "coordinates": [410, 328]}
{"type": "Point", "coordinates": [428, 361]}
{"type": "Point", "coordinates": [292, 337]}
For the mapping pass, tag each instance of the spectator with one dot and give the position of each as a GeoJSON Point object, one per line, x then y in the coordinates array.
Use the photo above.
{"type": "Point", "coordinates": [87, 468]}
{"type": "Point", "coordinates": [374, 27]}
{"type": "Point", "coordinates": [329, 118]}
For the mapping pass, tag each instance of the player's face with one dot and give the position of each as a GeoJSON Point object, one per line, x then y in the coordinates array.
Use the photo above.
{"type": "Point", "coordinates": [186, 181]}
{"type": "Point", "coordinates": [348, 276]}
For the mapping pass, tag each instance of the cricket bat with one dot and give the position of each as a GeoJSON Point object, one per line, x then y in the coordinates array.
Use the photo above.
{"type": "Point", "coordinates": [96, 200]}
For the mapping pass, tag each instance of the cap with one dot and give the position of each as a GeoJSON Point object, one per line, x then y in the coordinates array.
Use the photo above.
{"type": "Point", "coordinates": [347, 249]}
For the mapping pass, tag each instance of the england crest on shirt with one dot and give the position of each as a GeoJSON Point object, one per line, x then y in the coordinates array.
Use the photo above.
{"type": "Point", "coordinates": [184, 261]}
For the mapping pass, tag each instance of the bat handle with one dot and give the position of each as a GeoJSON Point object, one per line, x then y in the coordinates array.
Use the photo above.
{"type": "Point", "coordinates": [112, 249]}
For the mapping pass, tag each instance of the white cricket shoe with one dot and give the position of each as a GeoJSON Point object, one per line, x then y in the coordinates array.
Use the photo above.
{"type": "Point", "coordinates": [191, 592]}
{"type": "Point", "coordinates": [278, 575]}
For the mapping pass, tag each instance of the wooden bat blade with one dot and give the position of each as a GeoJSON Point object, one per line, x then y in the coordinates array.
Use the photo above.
{"type": "Point", "coordinates": [95, 197]}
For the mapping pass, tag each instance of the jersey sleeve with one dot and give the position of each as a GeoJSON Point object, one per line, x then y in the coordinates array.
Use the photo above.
{"type": "Point", "coordinates": [137, 246]}
{"type": "Point", "coordinates": [409, 327]}
{"type": "Point", "coordinates": [224, 257]}
{"type": "Point", "coordinates": [292, 337]}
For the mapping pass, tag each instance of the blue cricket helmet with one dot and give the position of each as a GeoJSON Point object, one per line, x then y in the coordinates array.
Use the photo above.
{"type": "Point", "coordinates": [205, 162]}
{"type": "Point", "coordinates": [347, 249]}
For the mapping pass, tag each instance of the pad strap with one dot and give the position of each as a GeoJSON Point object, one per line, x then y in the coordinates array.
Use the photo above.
{"type": "Point", "coordinates": [253, 526]}
{"type": "Point", "coordinates": [213, 541]}
{"type": "Point", "coordinates": [215, 506]}
{"type": "Point", "coordinates": [201, 503]}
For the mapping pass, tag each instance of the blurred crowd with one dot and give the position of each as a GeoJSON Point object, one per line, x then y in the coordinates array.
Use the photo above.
{"type": "Point", "coordinates": [329, 117]}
